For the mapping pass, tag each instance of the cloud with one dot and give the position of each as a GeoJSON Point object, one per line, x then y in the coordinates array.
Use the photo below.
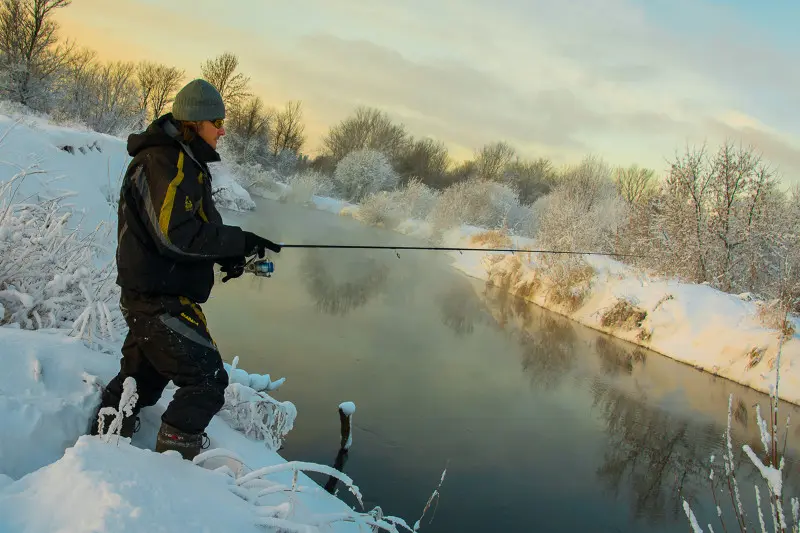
{"type": "Point", "coordinates": [561, 79]}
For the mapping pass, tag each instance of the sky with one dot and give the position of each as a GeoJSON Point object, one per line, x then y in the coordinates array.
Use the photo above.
{"type": "Point", "coordinates": [631, 81]}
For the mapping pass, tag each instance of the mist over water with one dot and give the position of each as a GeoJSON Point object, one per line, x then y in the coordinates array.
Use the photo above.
{"type": "Point", "coordinates": [543, 424]}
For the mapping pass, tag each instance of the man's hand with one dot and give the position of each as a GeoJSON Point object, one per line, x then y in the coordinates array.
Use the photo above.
{"type": "Point", "coordinates": [253, 244]}
{"type": "Point", "coordinates": [233, 267]}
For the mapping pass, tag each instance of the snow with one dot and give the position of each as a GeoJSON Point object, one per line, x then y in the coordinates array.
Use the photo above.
{"type": "Point", "coordinates": [40, 415]}
{"type": "Point", "coordinates": [348, 408]}
{"type": "Point", "coordinates": [96, 486]}
{"type": "Point", "coordinates": [53, 477]}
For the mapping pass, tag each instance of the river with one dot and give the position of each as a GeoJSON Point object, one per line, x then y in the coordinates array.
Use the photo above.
{"type": "Point", "coordinates": [542, 424]}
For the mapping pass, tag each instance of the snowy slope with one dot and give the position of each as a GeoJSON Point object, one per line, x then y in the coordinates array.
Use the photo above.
{"type": "Point", "coordinates": [86, 165]}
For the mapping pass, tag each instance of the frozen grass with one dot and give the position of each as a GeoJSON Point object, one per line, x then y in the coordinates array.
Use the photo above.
{"type": "Point", "coordinates": [623, 315]}
{"type": "Point", "coordinates": [49, 276]}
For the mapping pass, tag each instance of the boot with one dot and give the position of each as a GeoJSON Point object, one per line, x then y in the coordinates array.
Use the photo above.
{"type": "Point", "coordinates": [187, 444]}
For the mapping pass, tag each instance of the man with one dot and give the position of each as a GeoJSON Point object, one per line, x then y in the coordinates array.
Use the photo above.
{"type": "Point", "coordinates": [170, 236]}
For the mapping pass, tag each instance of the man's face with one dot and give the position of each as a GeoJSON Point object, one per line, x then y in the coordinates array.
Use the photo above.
{"type": "Point", "coordinates": [210, 133]}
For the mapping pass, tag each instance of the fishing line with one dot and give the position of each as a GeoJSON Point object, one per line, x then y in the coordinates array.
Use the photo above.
{"type": "Point", "coordinates": [265, 267]}
{"type": "Point", "coordinates": [453, 249]}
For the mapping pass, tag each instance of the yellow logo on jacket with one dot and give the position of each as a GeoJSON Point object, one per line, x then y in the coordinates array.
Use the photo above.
{"type": "Point", "coordinates": [190, 319]}
{"type": "Point", "coordinates": [188, 204]}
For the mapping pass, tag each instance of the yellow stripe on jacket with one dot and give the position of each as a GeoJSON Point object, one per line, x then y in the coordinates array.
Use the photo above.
{"type": "Point", "coordinates": [169, 199]}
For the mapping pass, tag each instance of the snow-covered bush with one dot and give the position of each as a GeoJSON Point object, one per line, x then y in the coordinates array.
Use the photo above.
{"type": "Point", "coordinates": [481, 203]}
{"type": "Point", "coordinates": [415, 200]}
{"type": "Point", "coordinates": [49, 276]}
{"type": "Point", "coordinates": [363, 172]}
{"type": "Point", "coordinates": [379, 209]}
{"type": "Point", "coordinates": [304, 185]}
{"type": "Point", "coordinates": [583, 212]}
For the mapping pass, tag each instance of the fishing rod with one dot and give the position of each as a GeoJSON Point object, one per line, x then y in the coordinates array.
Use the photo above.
{"type": "Point", "coordinates": [265, 267]}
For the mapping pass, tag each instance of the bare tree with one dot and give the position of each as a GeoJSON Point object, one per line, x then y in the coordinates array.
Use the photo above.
{"type": "Point", "coordinates": [31, 57]}
{"type": "Point", "coordinates": [531, 179]}
{"type": "Point", "coordinates": [78, 84]}
{"type": "Point", "coordinates": [368, 128]}
{"type": "Point", "coordinates": [634, 184]}
{"type": "Point", "coordinates": [426, 159]}
{"type": "Point", "coordinates": [157, 86]}
{"type": "Point", "coordinates": [288, 129]}
{"type": "Point", "coordinates": [249, 130]}
{"type": "Point", "coordinates": [221, 73]}
{"type": "Point", "coordinates": [492, 160]}
{"type": "Point", "coordinates": [116, 106]}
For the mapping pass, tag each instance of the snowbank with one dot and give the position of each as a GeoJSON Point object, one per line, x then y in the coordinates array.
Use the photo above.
{"type": "Point", "coordinates": [717, 332]}
{"type": "Point", "coordinates": [52, 475]}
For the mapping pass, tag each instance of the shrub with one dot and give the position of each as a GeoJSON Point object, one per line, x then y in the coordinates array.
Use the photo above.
{"type": "Point", "coordinates": [49, 273]}
{"type": "Point", "coordinates": [415, 200]}
{"type": "Point", "coordinates": [363, 172]}
{"type": "Point", "coordinates": [584, 212]}
{"type": "Point", "coordinates": [480, 203]}
{"type": "Point", "coordinates": [304, 185]}
{"type": "Point", "coordinates": [379, 209]}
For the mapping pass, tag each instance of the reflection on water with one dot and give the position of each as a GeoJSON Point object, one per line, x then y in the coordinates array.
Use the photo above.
{"type": "Point", "coordinates": [546, 425]}
{"type": "Point", "coordinates": [339, 283]}
{"type": "Point", "coordinates": [460, 307]}
{"type": "Point", "coordinates": [654, 458]}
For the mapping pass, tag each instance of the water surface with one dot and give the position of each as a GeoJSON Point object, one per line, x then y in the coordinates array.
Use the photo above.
{"type": "Point", "coordinates": [542, 424]}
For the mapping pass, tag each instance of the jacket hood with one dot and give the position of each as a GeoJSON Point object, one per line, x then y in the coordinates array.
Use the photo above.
{"type": "Point", "coordinates": [164, 132]}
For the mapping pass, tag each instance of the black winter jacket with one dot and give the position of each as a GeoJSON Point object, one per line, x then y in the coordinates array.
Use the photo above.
{"type": "Point", "coordinates": [169, 232]}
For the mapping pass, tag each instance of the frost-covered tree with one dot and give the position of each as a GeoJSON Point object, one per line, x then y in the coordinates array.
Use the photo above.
{"type": "Point", "coordinates": [714, 215]}
{"type": "Point", "coordinates": [30, 54]}
{"type": "Point", "coordinates": [221, 73]}
{"type": "Point", "coordinates": [105, 97]}
{"type": "Point", "coordinates": [367, 129]}
{"type": "Point", "coordinates": [158, 84]}
{"type": "Point", "coordinates": [363, 172]}
{"type": "Point", "coordinates": [288, 131]}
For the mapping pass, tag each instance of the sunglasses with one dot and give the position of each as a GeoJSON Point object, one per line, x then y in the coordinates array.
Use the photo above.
{"type": "Point", "coordinates": [218, 123]}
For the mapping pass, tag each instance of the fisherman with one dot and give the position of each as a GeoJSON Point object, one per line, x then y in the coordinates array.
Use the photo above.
{"type": "Point", "coordinates": [170, 236]}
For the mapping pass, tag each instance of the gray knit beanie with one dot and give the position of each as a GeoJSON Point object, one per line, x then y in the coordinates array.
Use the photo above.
{"type": "Point", "coordinates": [198, 100]}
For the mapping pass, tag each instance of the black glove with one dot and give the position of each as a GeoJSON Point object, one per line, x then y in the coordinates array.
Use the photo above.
{"type": "Point", "coordinates": [253, 244]}
{"type": "Point", "coordinates": [233, 267]}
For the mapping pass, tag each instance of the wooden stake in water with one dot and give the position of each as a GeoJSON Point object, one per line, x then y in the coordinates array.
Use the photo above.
{"type": "Point", "coordinates": [346, 410]}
